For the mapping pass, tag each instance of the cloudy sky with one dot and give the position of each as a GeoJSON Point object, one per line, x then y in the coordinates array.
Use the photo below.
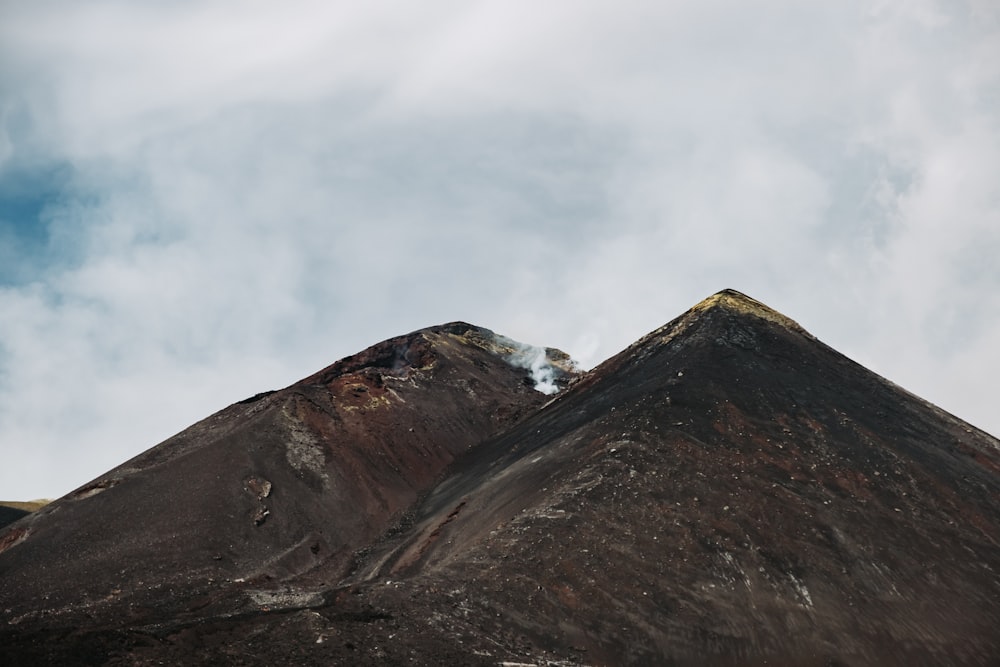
{"type": "Point", "coordinates": [203, 200]}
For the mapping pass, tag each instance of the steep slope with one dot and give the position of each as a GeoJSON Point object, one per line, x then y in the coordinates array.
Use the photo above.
{"type": "Point", "coordinates": [727, 489]}
{"type": "Point", "coordinates": [267, 488]}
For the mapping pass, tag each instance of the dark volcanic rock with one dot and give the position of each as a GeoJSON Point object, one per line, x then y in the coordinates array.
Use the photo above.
{"type": "Point", "coordinates": [264, 490]}
{"type": "Point", "coordinates": [728, 490]}
{"type": "Point", "coordinates": [9, 515]}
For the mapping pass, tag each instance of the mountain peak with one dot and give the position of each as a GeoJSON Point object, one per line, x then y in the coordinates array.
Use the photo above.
{"type": "Point", "coordinates": [420, 350]}
{"type": "Point", "coordinates": [740, 303]}
{"type": "Point", "coordinates": [727, 490]}
{"type": "Point", "coordinates": [734, 306]}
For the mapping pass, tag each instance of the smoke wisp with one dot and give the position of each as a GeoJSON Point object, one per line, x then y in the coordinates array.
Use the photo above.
{"type": "Point", "coordinates": [536, 361]}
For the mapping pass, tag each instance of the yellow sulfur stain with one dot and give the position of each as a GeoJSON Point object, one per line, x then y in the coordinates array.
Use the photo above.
{"type": "Point", "coordinates": [741, 303]}
{"type": "Point", "coordinates": [729, 299]}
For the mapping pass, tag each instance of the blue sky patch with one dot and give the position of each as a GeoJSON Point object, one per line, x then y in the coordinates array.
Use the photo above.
{"type": "Point", "coordinates": [26, 198]}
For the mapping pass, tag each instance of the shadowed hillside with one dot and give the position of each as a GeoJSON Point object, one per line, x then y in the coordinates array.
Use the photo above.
{"type": "Point", "coordinates": [11, 510]}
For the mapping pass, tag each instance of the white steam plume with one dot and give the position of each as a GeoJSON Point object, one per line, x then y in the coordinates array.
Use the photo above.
{"type": "Point", "coordinates": [536, 360]}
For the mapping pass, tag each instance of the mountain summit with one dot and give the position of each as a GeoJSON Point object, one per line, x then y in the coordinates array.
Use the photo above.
{"type": "Point", "coordinates": [727, 490]}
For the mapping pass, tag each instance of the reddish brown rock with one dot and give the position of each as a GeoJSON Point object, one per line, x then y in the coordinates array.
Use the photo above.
{"type": "Point", "coordinates": [728, 490]}
{"type": "Point", "coordinates": [266, 489]}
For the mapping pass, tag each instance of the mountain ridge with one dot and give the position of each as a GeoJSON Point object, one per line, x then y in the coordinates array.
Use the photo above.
{"type": "Point", "coordinates": [726, 490]}
{"type": "Point", "coordinates": [364, 437]}
{"type": "Point", "coordinates": [858, 486]}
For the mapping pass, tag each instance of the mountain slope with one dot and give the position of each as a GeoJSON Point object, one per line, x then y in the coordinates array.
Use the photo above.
{"type": "Point", "coordinates": [727, 490]}
{"type": "Point", "coordinates": [726, 487]}
{"type": "Point", "coordinates": [267, 488]}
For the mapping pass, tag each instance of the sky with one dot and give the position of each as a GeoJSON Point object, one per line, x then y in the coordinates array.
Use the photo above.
{"type": "Point", "coordinates": [203, 200]}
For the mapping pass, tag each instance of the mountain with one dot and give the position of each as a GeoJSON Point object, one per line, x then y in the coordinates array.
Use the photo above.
{"type": "Point", "coordinates": [9, 513]}
{"type": "Point", "coordinates": [267, 488]}
{"type": "Point", "coordinates": [727, 490]}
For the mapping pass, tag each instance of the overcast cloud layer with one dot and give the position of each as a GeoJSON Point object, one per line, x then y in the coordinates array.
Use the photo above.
{"type": "Point", "coordinates": [203, 200]}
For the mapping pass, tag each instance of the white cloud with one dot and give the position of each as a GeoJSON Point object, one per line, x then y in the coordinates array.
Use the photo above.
{"type": "Point", "coordinates": [258, 191]}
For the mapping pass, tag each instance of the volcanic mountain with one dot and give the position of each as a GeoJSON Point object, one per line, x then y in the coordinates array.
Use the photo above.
{"type": "Point", "coordinates": [727, 490]}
